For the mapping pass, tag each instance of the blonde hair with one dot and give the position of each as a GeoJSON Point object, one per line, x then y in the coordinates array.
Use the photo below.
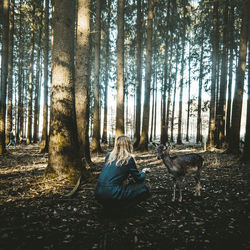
{"type": "Point", "coordinates": [122, 151]}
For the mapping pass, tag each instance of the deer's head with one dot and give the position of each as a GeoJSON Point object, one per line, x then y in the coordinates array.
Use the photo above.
{"type": "Point", "coordinates": [163, 150]}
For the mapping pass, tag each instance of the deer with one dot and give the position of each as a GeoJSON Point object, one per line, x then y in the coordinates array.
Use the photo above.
{"type": "Point", "coordinates": [179, 166]}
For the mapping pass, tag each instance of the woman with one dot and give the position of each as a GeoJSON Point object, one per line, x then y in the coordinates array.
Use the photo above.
{"type": "Point", "coordinates": [111, 191]}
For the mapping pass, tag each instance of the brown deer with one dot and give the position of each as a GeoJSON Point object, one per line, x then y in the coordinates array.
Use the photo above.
{"type": "Point", "coordinates": [179, 166]}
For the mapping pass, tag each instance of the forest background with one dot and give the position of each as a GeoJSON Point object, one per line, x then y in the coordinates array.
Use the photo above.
{"type": "Point", "coordinates": [84, 72]}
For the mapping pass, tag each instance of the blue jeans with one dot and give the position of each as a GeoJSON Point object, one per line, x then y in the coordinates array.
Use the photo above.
{"type": "Point", "coordinates": [12, 142]}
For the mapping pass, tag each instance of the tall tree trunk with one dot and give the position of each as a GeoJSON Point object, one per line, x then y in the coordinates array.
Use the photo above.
{"type": "Point", "coordinates": [120, 71]}
{"type": "Point", "coordinates": [44, 139]}
{"type": "Point", "coordinates": [38, 79]}
{"type": "Point", "coordinates": [31, 72]}
{"type": "Point", "coordinates": [215, 45]}
{"type": "Point", "coordinates": [82, 76]}
{"type": "Point", "coordinates": [199, 132]}
{"type": "Point", "coordinates": [189, 97]}
{"type": "Point", "coordinates": [238, 94]}
{"type": "Point", "coordinates": [223, 81]}
{"type": "Point", "coordinates": [4, 73]}
{"type": "Point", "coordinates": [10, 71]}
{"type": "Point", "coordinates": [64, 155]}
{"type": "Point", "coordinates": [143, 145]}
{"type": "Point", "coordinates": [153, 107]}
{"type": "Point", "coordinates": [138, 74]}
{"type": "Point", "coordinates": [246, 150]}
{"type": "Point", "coordinates": [107, 63]}
{"type": "Point", "coordinates": [95, 144]}
{"type": "Point", "coordinates": [230, 78]}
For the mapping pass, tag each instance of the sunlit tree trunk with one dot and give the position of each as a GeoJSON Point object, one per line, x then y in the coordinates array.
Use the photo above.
{"type": "Point", "coordinates": [238, 94]}
{"type": "Point", "coordinates": [64, 156]}
{"type": "Point", "coordinates": [44, 139]}
{"type": "Point", "coordinates": [4, 73]}
{"type": "Point", "coordinates": [107, 63]}
{"type": "Point", "coordinates": [82, 76]}
{"type": "Point", "coordinates": [120, 71]}
{"type": "Point", "coordinates": [10, 71]}
{"type": "Point", "coordinates": [138, 73]}
{"type": "Point", "coordinates": [143, 145]}
{"type": "Point", "coordinates": [215, 44]}
{"type": "Point", "coordinates": [198, 131]}
{"type": "Point", "coordinates": [31, 72]}
{"type": "Point", "coordinates": [246, 150]}
{"type": "Point", "coordinates": [189, 100]}
{"type": "Point", "coordinates": [223, 81]}
{"type": "Point", "coordinates": [95, 144]}
{"type": "Point", "coordinates": [37, 97]}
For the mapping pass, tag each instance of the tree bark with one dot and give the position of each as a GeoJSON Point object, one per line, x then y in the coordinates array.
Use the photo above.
{"type": "Point", "coordinates": [95, 144]}
{"type": "Point", "coordinates": [120, 71]}
{"type": "Point", "coordinates": [143, 145]}
{"type": "Point", "coordinates": [44, 139]}
{"type": "Point", "coordinates": [64, 156]}
{"type": "Point", "coordinates": [4, 73]}
{"type": "Point", "coordinates": [138, 74]}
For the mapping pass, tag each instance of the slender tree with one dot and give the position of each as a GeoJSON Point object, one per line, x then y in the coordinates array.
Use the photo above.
{"type": "Point", "coordinates": [143, 145]}
{"type": "Point", "coordinates": [4, 73]}
{"type": "Point", "coordinates": [120, 70]}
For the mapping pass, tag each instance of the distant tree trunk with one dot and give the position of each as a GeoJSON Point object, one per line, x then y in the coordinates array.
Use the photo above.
{"type": "Point", "coordinates": [64, 156]}
{"type": "Point", "coordinates": [179, 136]}
{"type": "Point", "coordinates": [37, 84]}
{"type": "Point", "coordinates": [223, 80]}
{"type": "Point", "coordinates": [138, 74]}
{"type": "Point", "coordinates": [189, 98]}
{"type": "Point", "coordinates": [10, 71]}
{"type": "Point", "coordinates": [4, 73]}
{"type": "Point", "coordinates": [95, 144]}
{"type": "Point", "coordinates": [82, 82]}
{"type": "Point", "coordinates": [120, 71]}
{"type": "Point", "coordinates": [44, 139]}
{"type": "Point", "coordinates": [143, 145]}
{"type": "Point", "coordinates": [215, 45]}
{"type": "Point", "coordinates": [107, 63]}
{"type": "Point", "coordinates": [238, 94]}
{"type": "Point", "coordinates": [31, 72]}
{"type": "Point", "coordinates": [199, 132]}
{"type": "Point", "coordinates": [246, 151]}
{"type": "Point", "coordinates": [175, 82]}
{"type": "Point", "coordinates": [230, 78]}
{"type": "Point", "coordinates": [153, 108]}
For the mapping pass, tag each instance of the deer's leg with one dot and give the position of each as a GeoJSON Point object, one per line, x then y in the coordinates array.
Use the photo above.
{"type": "Point", "coordinates": [180, 188]}
{"type": "Point", "coordinates": [174, 188]}
{"type": "Point", "coordinates": [198, 185]}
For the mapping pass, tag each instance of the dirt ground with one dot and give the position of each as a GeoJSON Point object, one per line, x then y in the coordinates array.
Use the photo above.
{"type": "Point", "coordinates": [35, 214]}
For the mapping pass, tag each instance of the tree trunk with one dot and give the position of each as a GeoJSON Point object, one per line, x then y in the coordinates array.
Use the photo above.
{"type": "Point", "coordinates": [4, 73]}
{"type": "Point", "coordinates": [82, 76]}
{"type": "Point", "coordinates": [143, 145]}
{"type": "Point", "coordinates": [95, 144]}
{"type": "Point", "coordinates": [246, 151]}
{"type": "Point", "coordinates": [37, 84]}
{"type": "Point", "coordinates": [64, 156]}
{"type": "Point", "coordinates": [10, 72]}
{"type": "Point", "coordinates": [120, 71]}
{"type": "Point", "coordinates": [238, 94]}
{"type": "Point", "coordinates": [138, 74]}
{"type": "Point", "coordinates": [215, 45]}
{"type": "Point", "coordinates": [223, 81]}
{"type": "Point", "coordinates": [199, 132]}
{"type": "Point", "coordinates": [189, 99]}
{"type": "Point", "coordinates": [107, 63]}
{"type": "Point", "coordinates": [31, 72]}
{"type": "Point", "coordinates": [44, 139]}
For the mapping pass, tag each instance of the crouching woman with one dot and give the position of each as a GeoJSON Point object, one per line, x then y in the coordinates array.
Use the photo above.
{"type": "Point", "coordinates": [111, 191]}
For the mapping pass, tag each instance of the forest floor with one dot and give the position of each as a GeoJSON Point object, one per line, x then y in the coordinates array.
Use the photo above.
{"type": "Point", "coordinates": [35, 214]}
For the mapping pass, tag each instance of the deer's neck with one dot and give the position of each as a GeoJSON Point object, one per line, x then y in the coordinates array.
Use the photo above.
{"type": "Point", "coordinates": [168, 162]}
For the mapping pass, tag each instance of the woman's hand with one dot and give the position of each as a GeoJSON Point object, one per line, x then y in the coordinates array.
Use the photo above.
{"type": "Point", "coordinates": [146, 170]}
